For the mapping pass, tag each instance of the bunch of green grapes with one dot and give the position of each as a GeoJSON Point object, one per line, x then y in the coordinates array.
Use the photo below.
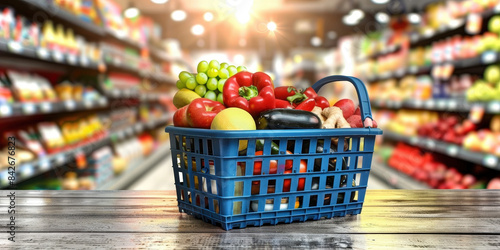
{"type": "Point", "coordinates": [210, 79]}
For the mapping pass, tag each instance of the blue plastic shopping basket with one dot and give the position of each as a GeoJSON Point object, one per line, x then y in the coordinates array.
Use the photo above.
{"type": "Point", "coordinates": [217, 183]}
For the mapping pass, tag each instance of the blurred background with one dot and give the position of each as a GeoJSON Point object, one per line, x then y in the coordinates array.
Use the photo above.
{"type": "Point", "coordinates": [86, 86]}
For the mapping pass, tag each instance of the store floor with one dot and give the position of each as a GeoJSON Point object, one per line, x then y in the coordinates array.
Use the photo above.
{"type": "Point", "coordinates": [160, 178]}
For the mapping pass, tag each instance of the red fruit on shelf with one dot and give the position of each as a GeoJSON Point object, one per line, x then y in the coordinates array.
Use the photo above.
{"type": "Point", "coordinates": [494, 183]}
{"type": "Point", "coordinates": [452, 121]}
{"type": "Point", "coordinates": [347, 106]}
{"type": "Point", "coordinates": [442, 126]}
{"type": "Point", "coordinates": [468, 126]}
{"type": "Point", "coordinates": [468, 180]}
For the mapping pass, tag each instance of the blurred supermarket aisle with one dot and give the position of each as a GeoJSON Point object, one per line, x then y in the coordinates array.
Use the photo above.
{"type": "Point", "coordinates": [158, 178]}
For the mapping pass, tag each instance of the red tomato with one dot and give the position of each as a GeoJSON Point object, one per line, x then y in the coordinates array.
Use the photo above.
{"type": "Point", "coordinates": [302, 181]}
{"type": "Point", "coordinates": [288, 163]}
{"type": "Point", "coordinates": [257, 167]}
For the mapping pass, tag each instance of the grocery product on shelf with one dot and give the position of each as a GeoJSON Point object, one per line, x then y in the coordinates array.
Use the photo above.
{"type": "Point", "coordinates": [83, 9]}
{"type": "Point", "coordinates": [30, 87]}
{"type": "Point", "coordinates": [120, 81]}
{"type": "Point", "coordinates": [425, 168]}
{"type": "Point", "coordinates": [488, 88]}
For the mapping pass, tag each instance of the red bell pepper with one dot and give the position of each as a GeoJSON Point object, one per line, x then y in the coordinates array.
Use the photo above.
{"type": "Point", "coordinates": [253, 92]}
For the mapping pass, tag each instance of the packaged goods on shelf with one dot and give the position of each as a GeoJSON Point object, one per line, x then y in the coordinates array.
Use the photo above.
{"type": "Point", "coordinates": [99, 168]}
{"type": "Point", "coordinates": [120, 81]}
{"type": "Point", "coordinates": [6, 95]}
{"type": "Point", "coordinates": [56, 41]}
{"type": "Point", "coordinates": [83, 9]}
{"type": "Point", "coordinates": [30, 87]}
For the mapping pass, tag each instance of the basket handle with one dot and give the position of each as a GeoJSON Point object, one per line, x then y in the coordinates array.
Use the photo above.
{"type": "Point", "coordinates": [364, 101]}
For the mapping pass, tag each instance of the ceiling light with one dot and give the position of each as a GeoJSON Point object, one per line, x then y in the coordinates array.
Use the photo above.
{"type": "Point", "coordinates": [271, 26]}
{"type": "Point", "coordinates": [380, 1]}
{"type": "Point", "coordinates": [208, 16]}
{"type": "Point", "coordinates": [197, 29]}
{"type": "Point", "coordinates": [131, 11]}
{"type": "Point", "coordinates": [382, 17]}
{"type": "Point", "coordinates": [316, 41]}
{"type": "Point", "coordinates": [414, 18]}
{"type": "Point", "coordinates": [178, 15]}
{"type": "Point", "coordinates": [243, 17]}
{"type": "Point", "coordinates": [357, 13]}
{"type": "Point", "coordinates": [159, 1]}
{"type": "Point", "coordinates": [350, 20]}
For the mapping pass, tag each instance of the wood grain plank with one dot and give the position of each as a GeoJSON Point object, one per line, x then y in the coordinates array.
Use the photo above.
{"type": "Point", "coordinates": [251, 241]}
{"type": "Point", "coordinates": [373, 197]}
{"type": "Point", "coordinates": [183, 223]}
{"type": "Point", "coordinates": [172, 210]}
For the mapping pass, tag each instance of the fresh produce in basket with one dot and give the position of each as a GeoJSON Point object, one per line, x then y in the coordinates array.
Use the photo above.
{"type": "Point", "coordinates": [202, 111]}
{"type": "Point", "coordinates": [288, 119]}
{"type": "Point", "coordinates": [184, 97]}
{"type": "Point", "coordinates": [253, 92]}
{"type": "Point", "coordinates": [209, 80]}
{"type": "Point", "coordinates": [234, 119]}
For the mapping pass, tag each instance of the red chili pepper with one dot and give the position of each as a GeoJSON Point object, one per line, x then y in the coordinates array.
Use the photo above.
{"type": "Point", "coordinates": [307, 105]}
{"type": "Point", "coordinates": [283, 92]}
{"type": "Point", "coordinates": [322, 102]}
{"type": "Point", "coordinates": [282, 104]}
{"type": "Point", "coordinates": [253, 92]}
{"type": "Point", "coordinates": [310, 93]}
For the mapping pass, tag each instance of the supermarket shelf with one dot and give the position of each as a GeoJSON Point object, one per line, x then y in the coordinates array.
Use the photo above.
{"type": "Point", "coordinates": [53, 161]}
{"type": "Point", "coordinates": [394, 178]}
{"type": "Point", "coordinates": [119, 66]}
{"type": "Point", "coordinates": [15, 49]}
{"type": "Point", "coordinates": [453, 28]}
{"type": "Point", "coordinates": [59, 15]}
{"type": "Point", "coordinates": [56, 161]}
{"type": "Point", "coordinates": [385, 51]}
{"type": "Point", "coordinates": [137, 169]}
{"type": "Point", "coordinates": [25, 109]}
{"type": "Point", "coordinates": [448, 105]}
{"type": "Point", "coordinates": [449, 149]}
{"type": "Point", "coordinates": [164, 57]}
{"type": "Point", "coordinates": [484, 59]}
{"type": "Point", "coordinates": [121, 38]}
{"type": "Point", "coordinates": [139, 127]}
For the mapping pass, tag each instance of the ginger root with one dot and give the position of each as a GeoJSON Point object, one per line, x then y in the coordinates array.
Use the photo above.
{"type": "Point", "coordinates": [334, 118]}
{"type": "Point", "coordinates": [318, 111]}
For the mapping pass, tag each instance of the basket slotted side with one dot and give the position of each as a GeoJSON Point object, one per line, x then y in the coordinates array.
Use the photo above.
{"type": "Point", "coordinates": [214, 180]}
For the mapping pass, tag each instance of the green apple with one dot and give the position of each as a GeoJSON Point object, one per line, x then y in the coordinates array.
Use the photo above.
{"type": "Point", "coordinates": [492, 74]}
{"type": "Point", "coordinates": [494, 24]}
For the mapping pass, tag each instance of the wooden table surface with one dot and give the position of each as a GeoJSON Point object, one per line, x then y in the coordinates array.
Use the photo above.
{"type": "Point", "coordinates": [391, 219]}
